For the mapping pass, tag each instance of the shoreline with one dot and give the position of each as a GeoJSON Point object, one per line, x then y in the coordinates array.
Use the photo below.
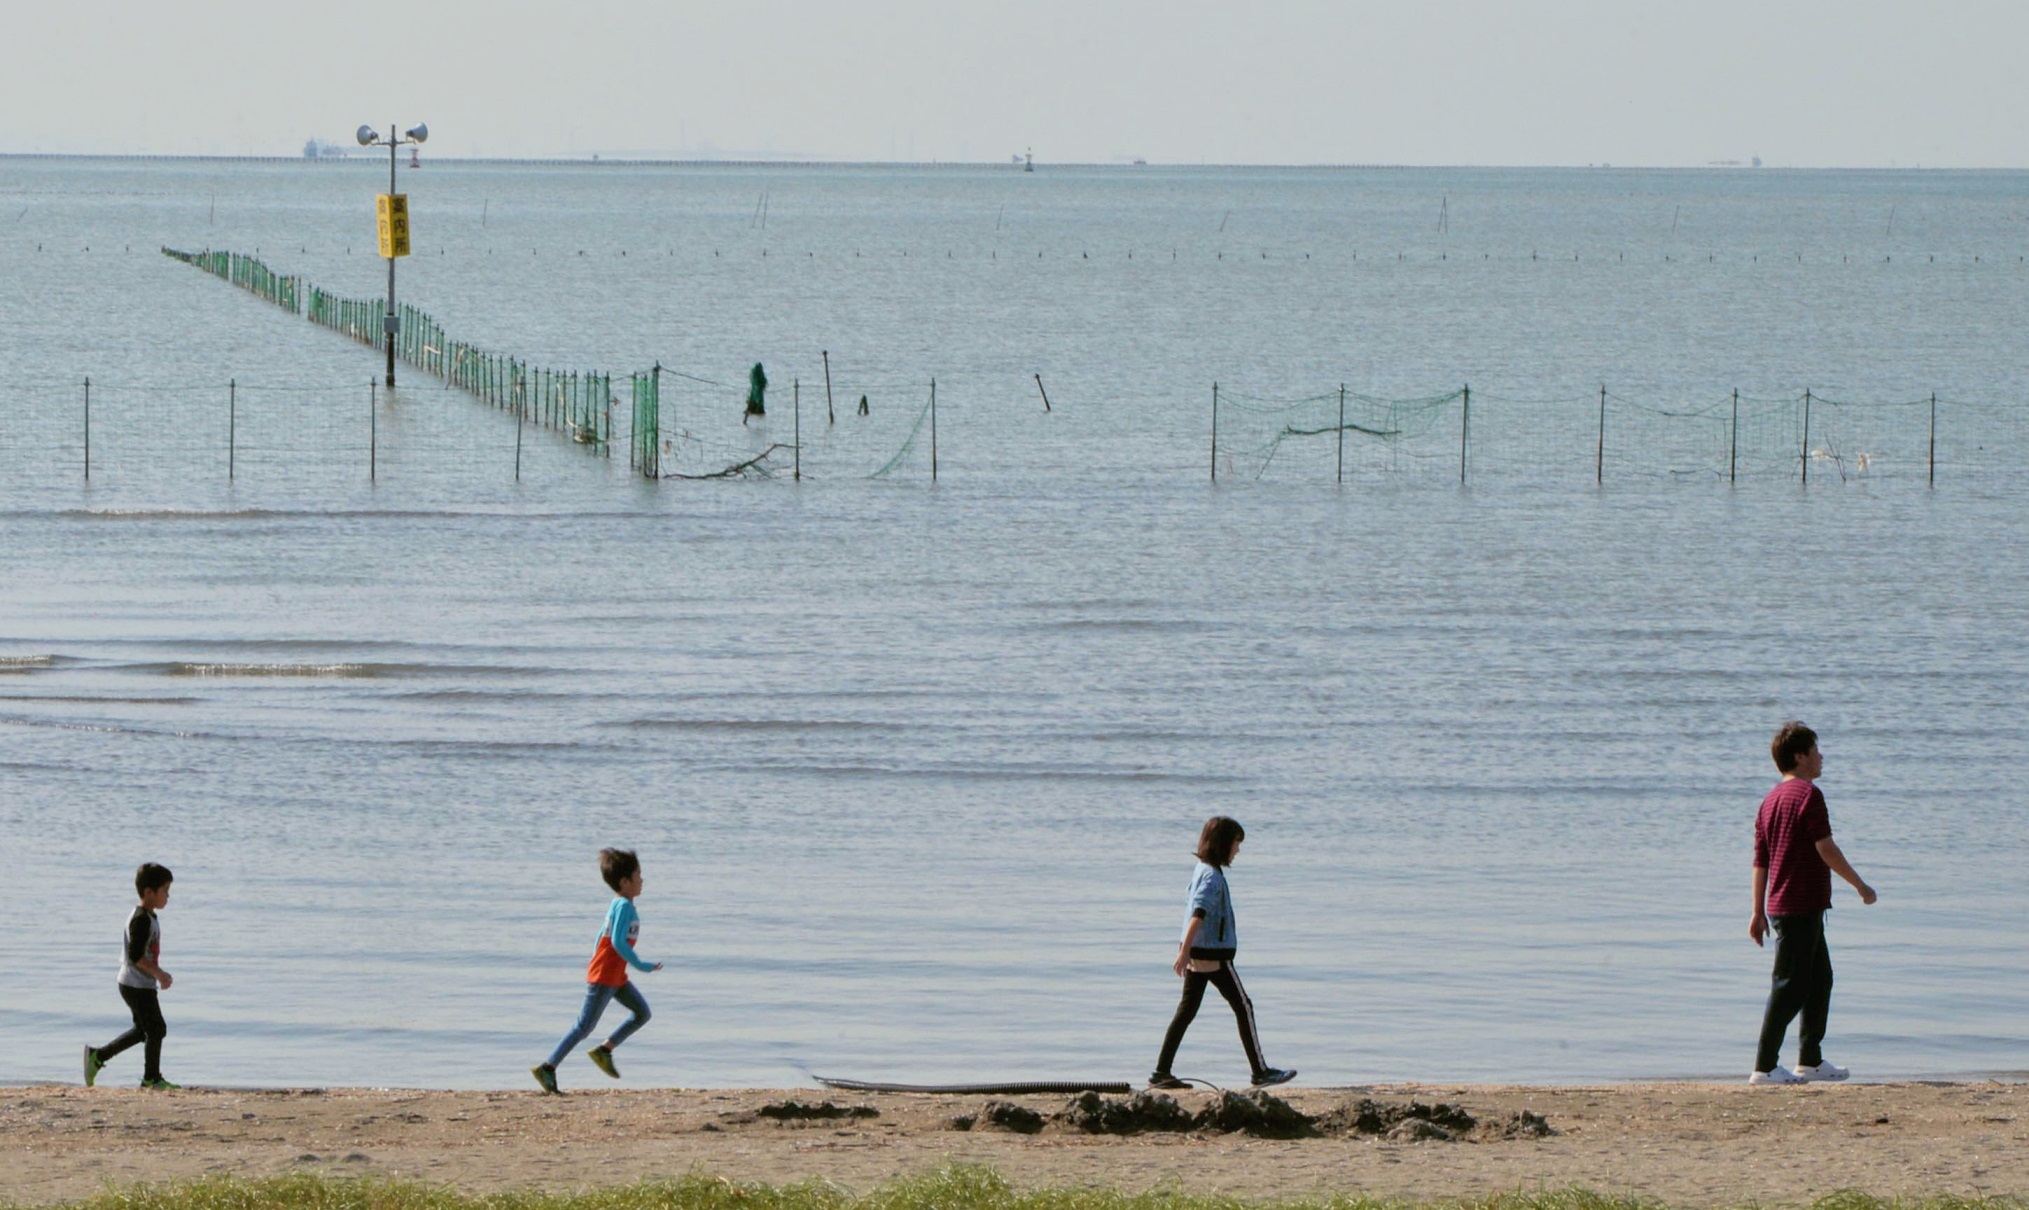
{"type": "Point", "coordinates": [1688, 1144]}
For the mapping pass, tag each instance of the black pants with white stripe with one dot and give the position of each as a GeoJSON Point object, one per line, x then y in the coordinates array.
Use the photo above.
{"type": "Point", "coordinates": [1227, 980]}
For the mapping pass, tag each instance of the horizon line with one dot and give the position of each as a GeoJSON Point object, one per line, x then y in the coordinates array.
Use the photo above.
{"type": "Point", "coordinates": [750, 161]}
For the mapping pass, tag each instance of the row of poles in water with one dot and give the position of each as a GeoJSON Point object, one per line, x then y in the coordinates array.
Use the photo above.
{"type": "Point", "coordinates": [1464, 397]}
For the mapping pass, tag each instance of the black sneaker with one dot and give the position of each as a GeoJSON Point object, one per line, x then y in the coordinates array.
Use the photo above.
{"type": "Point", "coordinates": [546, 1076]}
{"type": "Point", "coordinates": [1270, 1076]}
{"type": "Point", "coordinates": [1165, 1081]}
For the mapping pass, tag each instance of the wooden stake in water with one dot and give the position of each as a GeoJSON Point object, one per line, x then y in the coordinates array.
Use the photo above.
{"type": "Point", "coordinates": [1933, 439]}
{"type": "Point", "coordinates": [1464, 427]}
{"type": "Point", "coordinates": [1215, 432]}
{"type": "Point", "coordinates": [1807, 437]}
{"type": "Point", "coordinates": [232, 426]}
{"type": "Point", "coordinates": [1733, 442]}
{"type": "Point", "coordinates": [372, 430]}
{"type": "Point", "coordinates": [1342, 432]}
{"type": "Point", "coordinates": [1042, 392]}
{"type": "Point", "coordinates": [1599, 457]}
{"type": "Point", "coordinates": [88, 429]}
{"type": "Point", "coordinates": [796, 424]}
{"type": "Point", "coordinates": [829, 416]}
{"type": "Point", "coordinates": [933, 430]}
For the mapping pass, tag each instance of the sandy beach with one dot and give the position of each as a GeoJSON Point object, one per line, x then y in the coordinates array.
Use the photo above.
{"type": "Point", "coordinates": [1689, 1144]}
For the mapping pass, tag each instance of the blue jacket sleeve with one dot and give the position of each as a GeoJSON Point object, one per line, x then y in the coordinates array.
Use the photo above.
{"type": "Point", "coordinates": [1204, 893]}
{"type": "Point", "coordinates": [624, 922]}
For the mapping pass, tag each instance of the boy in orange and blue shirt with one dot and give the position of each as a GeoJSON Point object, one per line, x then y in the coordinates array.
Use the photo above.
{"type": "Point", "coordinates": [606, 977]}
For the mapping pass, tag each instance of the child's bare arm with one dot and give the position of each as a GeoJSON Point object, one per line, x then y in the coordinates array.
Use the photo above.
{"type": "Point", "coordinates": [1757, 928]}
{"type": "Point", "coordinates": [1829, 850]}
{"type": "Point", "coordinates": [147, 967]}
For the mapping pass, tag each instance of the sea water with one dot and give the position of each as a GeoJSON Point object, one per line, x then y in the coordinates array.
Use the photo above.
{"type": "Point", "coordinates": [915, 769]}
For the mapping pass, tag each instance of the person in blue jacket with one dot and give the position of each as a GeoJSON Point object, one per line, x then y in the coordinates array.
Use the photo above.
{"type": "Point", "coordinates": [1205, 955]}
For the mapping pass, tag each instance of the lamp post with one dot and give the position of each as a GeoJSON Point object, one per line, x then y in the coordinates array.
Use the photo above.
{"type": "Point", "coordinates": [392, 324]}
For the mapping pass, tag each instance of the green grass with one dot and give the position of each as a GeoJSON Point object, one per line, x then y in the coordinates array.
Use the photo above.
{"type": "Point", "coordinates": [956, 1188]}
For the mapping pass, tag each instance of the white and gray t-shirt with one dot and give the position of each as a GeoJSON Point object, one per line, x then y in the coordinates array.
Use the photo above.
{"type": "Point", "coordinates": [144, 940]}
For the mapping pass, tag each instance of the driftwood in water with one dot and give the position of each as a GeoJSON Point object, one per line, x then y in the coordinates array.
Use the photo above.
{"type": "Point", "coordinates": [738, 468]}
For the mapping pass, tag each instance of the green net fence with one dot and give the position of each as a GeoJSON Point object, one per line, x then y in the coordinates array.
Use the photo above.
{"type": "Point", "coordinates": [249, 274]}
{"type": "Point", "coordinates": [362, 319]}
{"type": "Point", "coordinates": [576, 403]}
{"type": "Point", "coordinates": [1471, 436]}
{"type": "Point", "coordinates": [644, 435]}
{"type": "Point", "coordinates": [689, 426]}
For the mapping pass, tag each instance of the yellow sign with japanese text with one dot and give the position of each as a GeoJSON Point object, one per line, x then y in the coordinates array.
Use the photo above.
{"type": "Point", "coordinates": [393, 211]}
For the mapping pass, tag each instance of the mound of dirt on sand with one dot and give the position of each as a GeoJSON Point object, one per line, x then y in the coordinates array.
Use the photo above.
{"type": "Point", "coordinates": [1137, 1114]}
{"type": "Point", "coordinates": [1368, 1116]}
{"type": "Point", "coordinates": [1521, 1124]}
{"type": "Point", "coordinates": [803, 1111]}
{"type": "Point", "coordinates": [1257, 1113]}
{"type": "Point", "coordinates": [1001, 1115]}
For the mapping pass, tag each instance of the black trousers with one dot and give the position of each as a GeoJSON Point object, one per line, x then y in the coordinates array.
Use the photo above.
{"type": "Point", "coordinates": [1227, 980]}
{"type": "Point", "coordinates": [149, 1027]}
{"type": "Point", "coordinates": [1802, 983]}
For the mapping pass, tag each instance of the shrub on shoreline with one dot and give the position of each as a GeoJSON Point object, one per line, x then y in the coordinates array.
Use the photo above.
{"type": "Point", "coordinates": [952, 1188]}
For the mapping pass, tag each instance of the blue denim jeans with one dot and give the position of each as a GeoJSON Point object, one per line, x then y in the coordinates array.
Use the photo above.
{"type": "Point", "coordinates": [597, 997]}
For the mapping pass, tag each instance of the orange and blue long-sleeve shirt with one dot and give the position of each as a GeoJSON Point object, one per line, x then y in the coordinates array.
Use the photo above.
{"type": "Point", "coordinates": [614, 952]}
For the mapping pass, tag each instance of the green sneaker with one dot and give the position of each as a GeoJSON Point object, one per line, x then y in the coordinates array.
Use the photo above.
{"type": "Point", "coordinates": [602, 1058]}
{"type": "Point", "coordinates": [158, 1084]}
{"type": "Point", "coordinates": [93, 1066]}
{"type": "Point", "coordinates": [546, 1076]}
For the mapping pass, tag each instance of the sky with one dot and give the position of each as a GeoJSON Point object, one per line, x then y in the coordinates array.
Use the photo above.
{"type": "Point", "coordinates": [1805, 83]}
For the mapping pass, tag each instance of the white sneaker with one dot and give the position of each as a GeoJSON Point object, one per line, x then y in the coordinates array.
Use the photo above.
{"type": "Point", "coordinates": [1775, 1075]}
{"type": "Point", "coordinates": [1823, 1071]}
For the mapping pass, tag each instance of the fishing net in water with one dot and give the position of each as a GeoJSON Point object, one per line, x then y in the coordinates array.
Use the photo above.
{"type": "Point", "coordinates": [704, 430]}
{"type": "Point", "coordinates": [1471, 436]}
{"type": "Point", "coordinates": [1335, 435]}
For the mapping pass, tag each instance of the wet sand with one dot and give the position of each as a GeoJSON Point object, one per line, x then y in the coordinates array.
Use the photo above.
{"type": "Point", "coordinates": [1688, 1144]}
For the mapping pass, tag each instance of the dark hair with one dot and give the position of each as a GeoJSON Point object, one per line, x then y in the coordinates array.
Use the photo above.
{"type": "Point", "coordinates": [152, 877]}
{"type": "Point", "coordinates": [1217, 838]}
{"type": "Point", "coordinates": [617, 866]}
{"type": "Point", "coordinates": [1791, 741]}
